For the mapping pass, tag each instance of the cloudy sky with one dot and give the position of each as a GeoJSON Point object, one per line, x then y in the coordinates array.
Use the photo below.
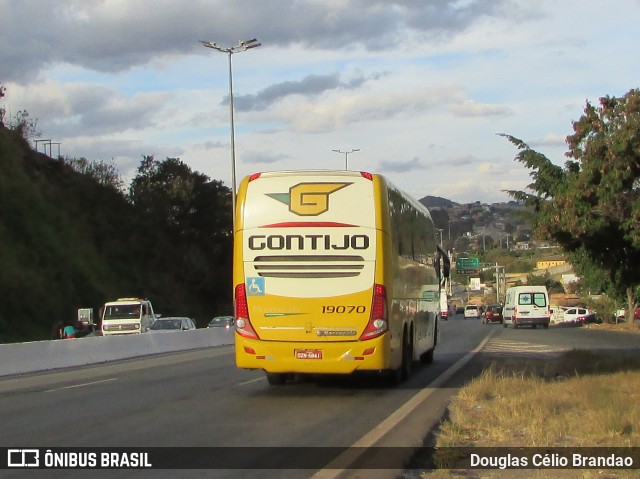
{"type": "Point", "coordinates": [421, 88]}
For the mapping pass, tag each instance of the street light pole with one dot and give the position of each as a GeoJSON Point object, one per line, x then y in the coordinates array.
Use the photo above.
{"type": "Point", "coordinates": [240, 47]}
{"type": "Point", "coordinates": [346, 156]}
{"type": "Point", "coordinates": [499, 276]}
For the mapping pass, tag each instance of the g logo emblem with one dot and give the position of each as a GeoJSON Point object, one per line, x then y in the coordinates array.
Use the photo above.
{"type": "Point", "coordinates": [309, 199]}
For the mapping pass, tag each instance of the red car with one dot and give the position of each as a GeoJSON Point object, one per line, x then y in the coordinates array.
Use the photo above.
{"type": "Point", "coordinates": [493, 314]}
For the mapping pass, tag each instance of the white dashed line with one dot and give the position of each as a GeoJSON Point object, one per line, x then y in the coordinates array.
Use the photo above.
{"type": "Point", "coordinates": [81, 385]}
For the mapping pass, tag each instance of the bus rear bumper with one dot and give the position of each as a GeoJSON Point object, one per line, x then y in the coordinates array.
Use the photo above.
{"type": "Point", "coordinates": [338, 357]}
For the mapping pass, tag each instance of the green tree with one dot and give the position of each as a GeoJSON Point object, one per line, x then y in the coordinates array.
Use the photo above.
{"type": "Point", "coordinates": [592, 277]}
{"type": "Point", "coordinates": [104, 173]}
{"type": "Point", "coordinates": [592, 204]}
{"type": "Point", "coordinates": [2, 109]}
{"type": "Point", "coordinates": [187, 236]}
{"type": "Point", "coordinates": [552, 285]}
{"type": "Point", "coordinates": [27, 127]}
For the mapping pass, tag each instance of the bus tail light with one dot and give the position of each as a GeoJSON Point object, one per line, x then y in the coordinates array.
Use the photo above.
{"type": "Point", "coordinates": [243, 325]}
{"type": "Point", "coordinates": [378, 324]}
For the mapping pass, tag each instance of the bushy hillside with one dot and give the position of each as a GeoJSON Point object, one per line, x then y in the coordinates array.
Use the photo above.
{"type": "Point", "coordinates": [67, 242]}
{"type": "Point", "coordinates": [55, 255]}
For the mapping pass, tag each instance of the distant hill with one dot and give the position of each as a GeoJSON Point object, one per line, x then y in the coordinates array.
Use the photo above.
{"type": "Point", "coordinates": [437, 202]}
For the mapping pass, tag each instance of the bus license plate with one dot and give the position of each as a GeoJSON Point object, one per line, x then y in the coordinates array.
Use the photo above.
{"type": "Point", "coordinates": [308, 354]}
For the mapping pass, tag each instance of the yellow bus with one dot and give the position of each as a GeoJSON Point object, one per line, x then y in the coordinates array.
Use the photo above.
{"type": "Point", "coordinates": [335, 272]}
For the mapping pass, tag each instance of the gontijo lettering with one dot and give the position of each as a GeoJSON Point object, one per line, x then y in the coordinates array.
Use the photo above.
{"type": "Point", "coordinates": [312, 242]}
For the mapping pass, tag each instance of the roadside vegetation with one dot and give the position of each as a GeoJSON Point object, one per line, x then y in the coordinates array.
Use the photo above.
{"type": "Point", "coordinates": [590, 205]}
{"type": "Point", "coordinates": [578, 399]}
{"type": "Point", "coordinates": [72, 236]}
{"type": "Point", "coordinates": [590, 208]}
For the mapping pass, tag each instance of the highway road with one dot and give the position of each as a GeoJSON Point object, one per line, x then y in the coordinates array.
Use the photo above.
{"type": "Point", "coordinates": [199, 399]}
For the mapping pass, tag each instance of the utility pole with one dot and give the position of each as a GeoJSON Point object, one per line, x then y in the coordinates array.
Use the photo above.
{"type": "Point", "coordinates": [240, 47]}
{"type": "Point", "coordinates": [498, 279]}
{"type": "Point", "coordinates": [346, 156]}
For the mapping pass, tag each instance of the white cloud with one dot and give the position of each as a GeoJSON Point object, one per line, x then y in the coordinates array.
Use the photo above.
{"type": "Point", "coordinates": [421, 88]}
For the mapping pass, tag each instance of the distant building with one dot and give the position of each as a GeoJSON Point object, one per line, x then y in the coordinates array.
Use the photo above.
{"type": "Point", "coordinates": [550, 262]}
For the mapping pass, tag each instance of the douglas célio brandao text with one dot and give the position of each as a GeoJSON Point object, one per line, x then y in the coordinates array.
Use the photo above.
{"type": "Point", "coordinates": [550, 460]}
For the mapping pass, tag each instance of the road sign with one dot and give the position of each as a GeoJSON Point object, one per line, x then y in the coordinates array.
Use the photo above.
{"type": "Point", "coordinates": [467, 266]}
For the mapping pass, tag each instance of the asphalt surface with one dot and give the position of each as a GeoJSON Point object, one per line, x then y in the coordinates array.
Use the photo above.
{"type": "Point", "coordinates": [199, 399]}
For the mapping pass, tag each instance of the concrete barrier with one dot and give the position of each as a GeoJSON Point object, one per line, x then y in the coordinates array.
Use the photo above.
{"type": "Point", "coordinates": [21, 358]}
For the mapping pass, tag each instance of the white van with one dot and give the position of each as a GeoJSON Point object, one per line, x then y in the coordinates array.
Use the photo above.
{"type": "Point", "coordinates": [127, 316]}
{"type": "Point", "coordinates": [526, 306]}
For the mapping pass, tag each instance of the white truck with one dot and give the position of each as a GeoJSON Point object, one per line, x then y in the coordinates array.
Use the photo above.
{"type": "Point", "coordinates": [127, 316]}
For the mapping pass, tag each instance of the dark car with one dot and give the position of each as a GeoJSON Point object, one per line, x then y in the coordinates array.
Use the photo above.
{"type": "Point", "coordinates": [493, 314]}
{"type": "Point", "coordinates": [222, 322]}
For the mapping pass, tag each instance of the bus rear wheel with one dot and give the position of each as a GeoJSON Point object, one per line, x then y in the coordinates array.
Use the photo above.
{"type": "Point", "coordinates": [276, 379]}
{"type": "Point", "coordinates": [402, 372]}
{"type": "Point", "coordinates": [407, 356]}
{"type": "Point", "coordinates": [427, 358]}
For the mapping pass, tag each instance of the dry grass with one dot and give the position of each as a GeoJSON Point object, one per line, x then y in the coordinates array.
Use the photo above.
{"type": "Point", "coordinates": [580, 399]}
{"type": "Point", "coordinates": [626, 327]}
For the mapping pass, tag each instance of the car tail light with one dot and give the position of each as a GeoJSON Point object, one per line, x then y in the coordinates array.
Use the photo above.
{"type": "Point", "coordinates": [378, 323]}
{"type": "Point", "coordinates": [243, 325]}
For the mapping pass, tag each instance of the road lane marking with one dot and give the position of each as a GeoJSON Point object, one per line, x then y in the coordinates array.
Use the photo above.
{"type": "Point", "coordinates": [81, 385]}
{"type": "Point", "coordinates": [505, 347]}
{"type": "Point", "coordinates": [359, 447]}
{"type": "Point", "coordinates": [244, 383]}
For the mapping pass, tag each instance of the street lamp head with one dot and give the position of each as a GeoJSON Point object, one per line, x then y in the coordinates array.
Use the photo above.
{"type": "Point", "coordinates": [244, 45]}
{"type": "Point", "coordinates": [213, 45]}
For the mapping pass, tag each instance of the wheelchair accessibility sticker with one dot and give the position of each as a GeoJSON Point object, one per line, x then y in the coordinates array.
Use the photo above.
{"type": "Point", "coordinates": [255, 286]}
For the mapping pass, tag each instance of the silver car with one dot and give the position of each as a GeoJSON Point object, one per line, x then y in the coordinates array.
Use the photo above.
{"type": "Point", "coordinates": [471, 311]}
{"type": "Point", "coordinates": [172, 323]}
